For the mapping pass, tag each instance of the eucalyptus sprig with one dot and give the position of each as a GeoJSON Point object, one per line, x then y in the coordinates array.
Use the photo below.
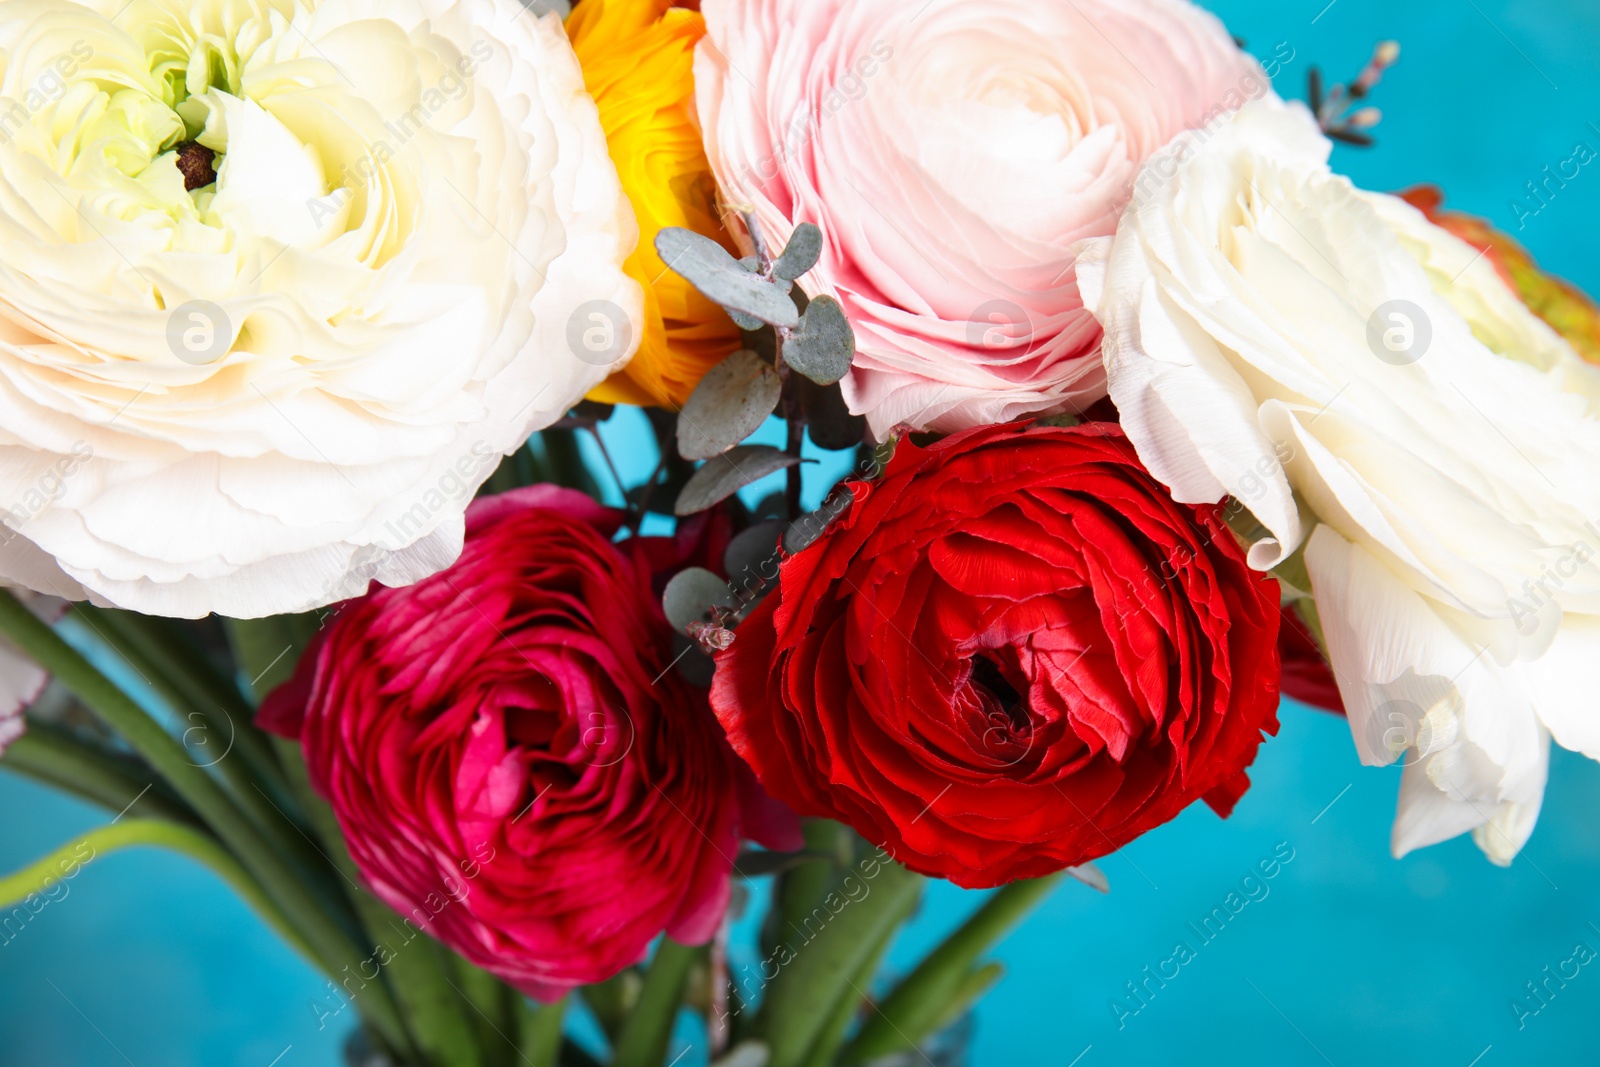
{"type": "Point", "coordinates": [799, 350]}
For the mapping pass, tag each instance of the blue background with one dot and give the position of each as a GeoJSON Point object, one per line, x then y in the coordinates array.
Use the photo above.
{"type": "Point", "coordinates": [1351, 958]}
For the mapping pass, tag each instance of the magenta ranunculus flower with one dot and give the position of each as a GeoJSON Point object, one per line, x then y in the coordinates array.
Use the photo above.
{"type": "Point", "coordinates": [953, 153]}
{"type": "Point", "coordinates": [513, 765]}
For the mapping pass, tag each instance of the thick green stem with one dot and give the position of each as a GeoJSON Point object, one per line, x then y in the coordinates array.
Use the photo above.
{"type": "Point", "coordinates": [826, 1046]}
{"type": "Point", "coordinates": [332, 945]}
{"type": "Point", "coordinates": [923, 998]}
{"type": "Point", "coordinates": [541, 1032]}
{"type": "Point", "coordinates": [644, 1036]}
{"type": "Point", "coordinates": [224, 724]}
{"type": "Point", "coordinates": [412, 964]}
{"type": "Point", "coordinates": [179, 669]}
{"type": "Point", "coordinates": [38, 878]}
{"type": "Point", "coordinates": [120, 784]}
{"type": "Point", "coordinates": [492, 1007]}
{"type": "Point", "coordinates": [827, 950]}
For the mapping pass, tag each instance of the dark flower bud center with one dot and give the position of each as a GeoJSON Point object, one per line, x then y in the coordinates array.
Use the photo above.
{"type": "Point", "coordinates": [987, 674]}
{"type": "Point", "coordinates": [194, 163]}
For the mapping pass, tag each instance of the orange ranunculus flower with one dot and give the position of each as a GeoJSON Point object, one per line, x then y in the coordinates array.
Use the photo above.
{"type": "Point", "coordinates": [638, 60]}
{"type": "Point", "coordinates": [1563, 305]}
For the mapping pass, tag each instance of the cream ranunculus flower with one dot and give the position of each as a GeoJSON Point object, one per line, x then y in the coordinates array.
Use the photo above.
{"type": "Point", "coordinates": [280, 282]}
{"type": "Point", "coordinates": [1367, 386]}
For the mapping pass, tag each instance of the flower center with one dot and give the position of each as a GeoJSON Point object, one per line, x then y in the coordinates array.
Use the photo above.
{"type": "Point", "coordinates": [195, 164]}
{"type": "Point", "coordinates": [1012, 709]}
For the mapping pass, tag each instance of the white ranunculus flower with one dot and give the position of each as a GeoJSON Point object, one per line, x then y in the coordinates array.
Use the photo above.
{"type": "Point", "coordinates": [230, 395]}
{"type": "Point", "coordinates": [1367, 386]}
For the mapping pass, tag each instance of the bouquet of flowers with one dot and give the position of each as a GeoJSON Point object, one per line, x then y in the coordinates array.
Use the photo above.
{"type": "Point", "coordinates": [312, 310]}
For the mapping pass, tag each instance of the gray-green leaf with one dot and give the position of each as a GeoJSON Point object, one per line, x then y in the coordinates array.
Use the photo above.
{"type": "Point", "coordinates": [805, 246]}
{"type": "Point", "coordinates": [690, 596]}
{"type": "Point", "coordinates": [724, 475]}
{"type": "Point", "coordinates": [710, 269]}
{"type": "Point", "coordinates": [730, 403]}
{"type": "Point", "coordinates": [824, 345]}
{"type": "Point", "coordinates": [828, 419]}
{"type": "Point", "coordinates": [753, 553]}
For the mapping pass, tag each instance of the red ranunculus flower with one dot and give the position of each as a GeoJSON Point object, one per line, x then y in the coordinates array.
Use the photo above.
{"type": "Point", "coordinates": [1306, 674]}
{"type": "Point", "coordinates": [513, 765]}
{"type": "Point", "coordinates": [1013, 654]}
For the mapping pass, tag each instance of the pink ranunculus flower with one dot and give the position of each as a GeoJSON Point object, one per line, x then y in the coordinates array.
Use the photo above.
{"type": "Point", "coordinates": [514, 766]}
{"type": "Point", "coordinates": [953, 153]}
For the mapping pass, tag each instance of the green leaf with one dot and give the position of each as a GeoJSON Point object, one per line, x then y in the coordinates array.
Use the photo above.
{"type": "Point", "coordinates": [730, 403]}
{"type": "Point", "coordinates": [914, 1009]}
{"type": "Point", "coordinates": [824, 345]}
{"type": "Point", "coordinates": [690, 596]}
{"type": "Point", "coordinates": [724, 475]}
{"type": "Point", "coordinates": [804, 248]}
{"type": "Point", "coordinates": [710, 269]}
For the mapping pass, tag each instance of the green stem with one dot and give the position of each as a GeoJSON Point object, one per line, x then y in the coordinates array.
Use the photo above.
{"type": "Point", "coordinates": [644, 1037]}
{"type": "Point", "coordinates": [117, 783]}
{"type": "Point", "coordinates": [541, 1032]}
{"type": "Point", "coordinates": [37, 878]}
{"type": "Point", "coordinates": [493, 1011]}
{"type": "Point", "coordinates": [564, 460]}
{"type": "Point", "coordinates": [826, 1046]}
{"type": "Point", "coordinates": [333, 947]}
{"type": "Point", "coordinates": [839, 936]}
{"type": "Point", "coordinates": [226, 726]}
{"type": "Point", "coordinates": [921, 1000]}
{"type": "Point", "coordinates": [180, 669]}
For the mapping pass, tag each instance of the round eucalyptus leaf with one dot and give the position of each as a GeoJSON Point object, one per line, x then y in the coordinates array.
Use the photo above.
{"type": "Point", "coordinates": [805, 247]}
{"type": "Point", "coordinates": [730, 403]}
{"type": "Point", "coordinates": [804, 531]}
{"type": "Point", "coordinates": [824, 345]}
{"type": "Point", "coordinates": [724, 475]}
{"type": "Point", "coordinates": [752, 555]}
{"type": "Point", "coordinates": [690, 596]}
{"type": "Point", "coordinates": [710, 269]}
{"type": "Point", "coordinates": [828, 420]}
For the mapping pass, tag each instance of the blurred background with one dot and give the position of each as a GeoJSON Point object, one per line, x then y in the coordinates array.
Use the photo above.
{"type": "Point", "coordinates": [1350, 957]}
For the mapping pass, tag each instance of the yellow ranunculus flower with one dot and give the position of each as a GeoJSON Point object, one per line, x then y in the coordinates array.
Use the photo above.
{"type": "Point", "coordinates": [638, 60]}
